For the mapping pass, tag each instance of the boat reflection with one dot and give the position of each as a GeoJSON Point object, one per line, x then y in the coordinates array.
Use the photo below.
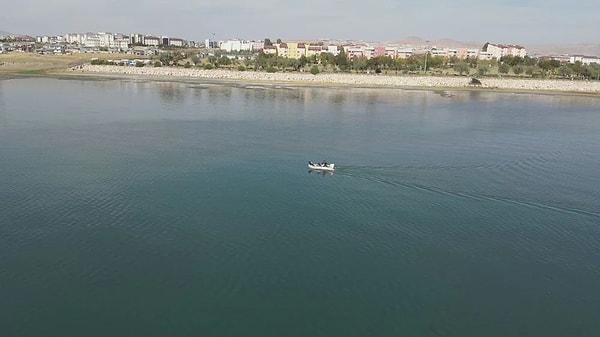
{"type": "Point", "coordinates": [320, 172]}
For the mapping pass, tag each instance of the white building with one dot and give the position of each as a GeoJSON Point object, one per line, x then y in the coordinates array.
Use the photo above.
{"type": "Point", "coordinates": [333, 49]}
{"type": "Point", "coordinates": [258, 45]}
{"type": "Point", "coordinates": [237, 45]}
{"type": "Point", "coordinates": [106, 40]}
{"type": "Point", "coordinates": [75, 38]}
{"type": "Point", "coordinates": [92, 41]}
{"type": "Point", "coordinates": [499, 50]}
{"type": "Point", "coordinates": [151, 40]}
{"type": "Point", "coordinates": [176, 42]}
{"type": "Point", "coordinates": [121, 43]}
{"type": "Point", "coordinates": [584, 59]}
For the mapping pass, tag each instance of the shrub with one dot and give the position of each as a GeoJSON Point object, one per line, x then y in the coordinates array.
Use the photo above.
{"type": "Point", "coordinates": [187, 65]}
{"type": "Point", "coordinates": [314, 70]}
{"type": "Point", "coordinates": [157, 64]}
{"type": "Point", "coordinates": [139, 64]}
{"type": "Point", "coordinates": [241, 68]}
{"type": "Point", "coordinates": [208, 66]}
{"type": "Point", "coordinates": [271, 69]}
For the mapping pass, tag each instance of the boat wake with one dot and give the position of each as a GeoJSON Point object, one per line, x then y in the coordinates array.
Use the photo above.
{"type": "Point", "coordinates": [408, 177]}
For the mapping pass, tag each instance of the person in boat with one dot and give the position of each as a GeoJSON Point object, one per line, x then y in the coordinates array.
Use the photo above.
{"type": "Point", "coordinates": [324, 163]}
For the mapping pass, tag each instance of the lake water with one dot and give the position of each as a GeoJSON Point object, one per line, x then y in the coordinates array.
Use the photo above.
{"type": "Point", "coordinates": [179, 209]}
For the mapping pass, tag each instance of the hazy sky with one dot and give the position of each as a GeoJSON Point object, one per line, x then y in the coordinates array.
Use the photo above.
{"type": "Point", "coordinates": [510, 21]}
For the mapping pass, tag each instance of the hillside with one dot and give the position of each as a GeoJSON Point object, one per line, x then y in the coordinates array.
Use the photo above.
{"type": "Point", "coordinates": [573, 49]}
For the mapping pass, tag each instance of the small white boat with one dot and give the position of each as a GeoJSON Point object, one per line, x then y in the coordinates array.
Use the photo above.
{"type": "Point", "coordinates": [321, 166]}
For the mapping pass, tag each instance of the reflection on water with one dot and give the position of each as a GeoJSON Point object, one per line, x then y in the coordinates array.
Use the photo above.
{"type": "Point", "coordinates": [171, 94]}
{"type": "Point", "coordinates": [2, 107]}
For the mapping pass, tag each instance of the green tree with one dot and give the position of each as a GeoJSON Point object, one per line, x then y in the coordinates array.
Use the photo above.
{"type": "Point", "coordinates": [263, 61]}
{"type": "Point", "coordinates": [482, 69]}
{"type": "Point", "coordinates": [565, 71]}
{"type": "Point", "coordinates": [294, 64]}
{"type": "Point", "coordinates": [452, 60]}
{"type": "Point", "coordinates": [580, 70]}
{"type": "Point", "coordinates": [166, 58]}
{"type": "Point", "coordinates": [224, 60]}
{"type": "Point", "coordinates": [359, 63]}
{"type": "Point", "coordinates": [549, 65]}
{"type": "Point", "coordinates": [282, 62]}
{"type": "Point", "coordinates": [472, 61]}
{"type": "Point", "coordinates": [533, 71]}
{"type": "Point", "coordinates": [529, 61]}
{"type": "Point", "coordinates": [326, 58]}
{"type": "Point", "coordinates": [461, 67]}
{"type": "Point", "coordinates": [341, 60]}
{"type": "Point", "coordinates": [595, 71]}
{"type": "Point", "coordinates": [303, 61]}
{"type": "Point", "coordinates": [435, 62]}
{"type": "Point", "coordinates": [177, 57]}
{"type": "Point", "coordinates": [504, 68]}
{"type": "Point", "coordinates": [518, 69]}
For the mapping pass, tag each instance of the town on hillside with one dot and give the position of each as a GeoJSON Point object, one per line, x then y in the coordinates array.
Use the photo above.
{"type": "Point", "coordinates": [358, 55]}
{"type": "Point", "coordinates": [141, 43]}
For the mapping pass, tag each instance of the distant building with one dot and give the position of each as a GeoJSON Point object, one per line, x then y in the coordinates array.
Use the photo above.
{"type": "Point", "coordinates": [333, 49]}
{"type": "Point", "coordinates": [355, 50]}
{"type": "Point", "coordinates": [176, 42]}
{"type": "Point", "coordinates": [499, 50]}
{"type": "Point", "coordinates": [237, 45]}
{"type": "Point", "coordinates": [258, 45]}
{"type": "Point", "coordinates": [282, 49]}
{"type": "Point", "coordinates": [270, 49]}
{"type": "Point", "coordinates": [313, 50]}
{"type": "Point", "coordinates": [150, 40]}
{"type": "Point", "coordinates": [584, 59]}
{"type": "Point", "coordinates": [136, 39]}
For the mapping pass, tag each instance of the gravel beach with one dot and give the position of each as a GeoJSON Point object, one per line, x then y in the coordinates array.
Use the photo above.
{"type": "Point", "coordinates": [163, 73]}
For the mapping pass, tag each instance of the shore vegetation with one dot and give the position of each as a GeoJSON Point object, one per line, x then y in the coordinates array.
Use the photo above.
{"type": "Point", "coordinates": [325, 62]}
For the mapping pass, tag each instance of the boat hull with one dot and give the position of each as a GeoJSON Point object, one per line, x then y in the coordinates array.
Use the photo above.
{"type": "Point", "coordinates": [329, 167]}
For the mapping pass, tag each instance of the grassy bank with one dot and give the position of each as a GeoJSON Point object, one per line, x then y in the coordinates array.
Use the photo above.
{"type": "Point", "coordinates": [35, 64]}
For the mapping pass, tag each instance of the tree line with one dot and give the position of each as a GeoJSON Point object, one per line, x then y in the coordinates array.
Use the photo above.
{"type": "Point", "coordinates": [415, 64]}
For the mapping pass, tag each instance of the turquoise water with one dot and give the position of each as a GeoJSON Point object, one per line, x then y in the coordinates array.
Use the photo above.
{"type": "Point", "coordinates": [177, 209]}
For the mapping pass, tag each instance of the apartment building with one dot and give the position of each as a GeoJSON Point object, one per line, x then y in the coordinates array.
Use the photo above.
{"type": "Point", "coordinates": [312, 50]}
{"type": "Point", "coordinates": [150, 40]}
{"type": "Point", "coordinates": [236, 45]}
{"type": "Point", "coordinates": [355, 51]}
{"type": "Point", "coordinates": [584, 59]}
{"type": "Point", "coordinates": [282, 49]}
{"type": "Point", "coordinates": [270, 49]}
{"type": "Point", "coordinates": [499, 50]}
{"type": "Point", "coordinates": [176, 42]}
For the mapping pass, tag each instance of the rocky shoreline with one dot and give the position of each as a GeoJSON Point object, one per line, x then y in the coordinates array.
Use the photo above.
{"type": "Point", "coordinates": [569, 86]}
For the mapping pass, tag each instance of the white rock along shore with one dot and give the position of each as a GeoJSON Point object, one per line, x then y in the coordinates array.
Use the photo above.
{"type": "Point", "coordinates": [591, 87]}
